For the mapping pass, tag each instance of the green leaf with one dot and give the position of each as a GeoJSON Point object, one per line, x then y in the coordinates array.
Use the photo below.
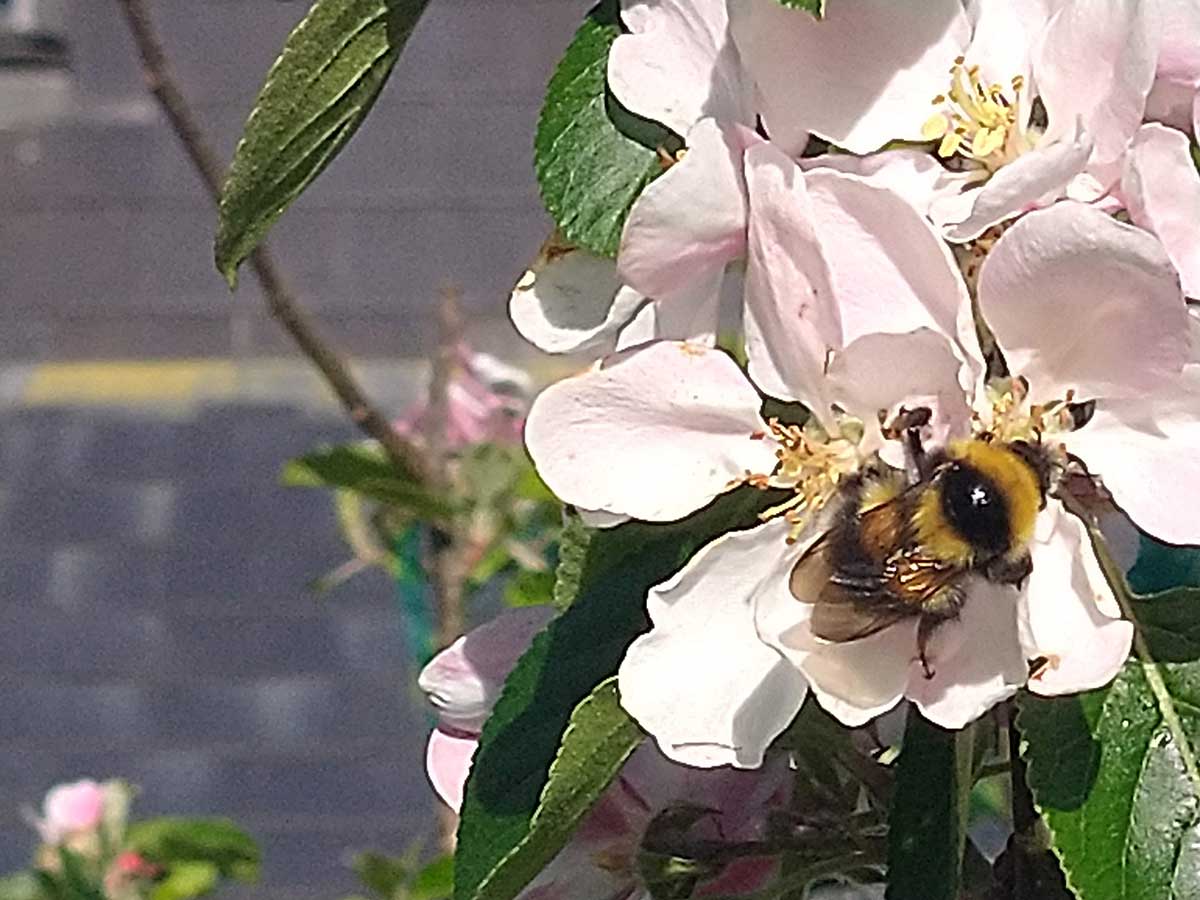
{"type": "Point", "coordinates": [435, 881]}
{"type": "Point", "coordinates": [815, 7]}
{"type": "Point", "coordinates": [364, 469]}
{"type": "Point", "coordinates": [170, 841]}
{"type": "Point", "coordinates": [1114, 770]}
{"type": "Point", "coordinates": [317, 93]}
{"type": "Point", "coordinates": [503, 840]}
{"type": "Point", "coordinates": [928, 823]}
{"type": "Point", "coordinates": [593, 157]}
{"type": "Point", "coordinates": [384, 875]}
{"type": "Point", "coordinates": [598, 739]}
{"type": "Point", "coordinates": [185, 880]}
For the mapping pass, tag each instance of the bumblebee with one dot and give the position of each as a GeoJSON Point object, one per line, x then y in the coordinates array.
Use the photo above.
{"type": "Point", "coordinates": [902, 545]}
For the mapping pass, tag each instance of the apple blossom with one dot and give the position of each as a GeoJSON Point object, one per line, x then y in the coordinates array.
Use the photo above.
{"type": "Point", "coordinates": [1173, 99]}
{"type": "Point", "coordinates": [486, 400]}
{"type": "Point", "coordinates": [1119, 403]}
{"type": "Point", "coordinates": [602, 858]}
{"type": "Point", "coordinates": [71, 809]}
{"type": "Point", "coordinates": [462, 683]}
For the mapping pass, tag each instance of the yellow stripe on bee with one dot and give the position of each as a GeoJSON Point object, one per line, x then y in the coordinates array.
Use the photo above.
{"type": "Point", "coordinates": [1013, 477]}
{"type": "Point", "coordinates": [936, 535]}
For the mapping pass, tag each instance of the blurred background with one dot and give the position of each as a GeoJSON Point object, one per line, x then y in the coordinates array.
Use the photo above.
{"type": "Point", "coordinates": [157, 623]}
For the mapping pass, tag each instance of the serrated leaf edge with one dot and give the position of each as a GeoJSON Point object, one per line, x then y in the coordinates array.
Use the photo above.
{"type": "Point", "coordinates": [481, 890]}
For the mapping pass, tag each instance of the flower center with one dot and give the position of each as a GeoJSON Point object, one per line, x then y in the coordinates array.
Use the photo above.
{"type": "Point", "coordinates": [977, 120]}
{"type": "Point", "coordinates": [811, 464]}
{"type": "Point", "coordinates": [1013, 418]}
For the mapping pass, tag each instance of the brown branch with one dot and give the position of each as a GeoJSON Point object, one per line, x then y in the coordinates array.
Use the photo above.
{"type": "Point", "coordinates": [280, 300]}
{"type": "Point", "coordinates": [447, 569]}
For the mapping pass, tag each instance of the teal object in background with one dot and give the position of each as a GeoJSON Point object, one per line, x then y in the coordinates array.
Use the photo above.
{"type": "Point", "coordinates": [1162, 566]}
{"type": "Point", "coordinates": [414, 598]}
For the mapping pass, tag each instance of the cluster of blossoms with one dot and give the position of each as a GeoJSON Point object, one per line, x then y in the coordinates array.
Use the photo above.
{"type": "Point", "coordinates": [887, 200]}
{"type": "Point", "coordinates": [1023, 167]}
{"type": "Point", "coordinates": [87, 818]}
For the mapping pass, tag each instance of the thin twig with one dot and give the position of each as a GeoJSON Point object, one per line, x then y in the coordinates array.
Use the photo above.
{"type": "Point", "coordinates": [446, 565]}
{"type": "Point", "coordinates": [280, 301]}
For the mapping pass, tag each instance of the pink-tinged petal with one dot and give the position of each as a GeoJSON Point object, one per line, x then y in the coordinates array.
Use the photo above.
{"type": "Point", "coordinates": [678, 64]}
{"type": "Point", "coordinates": [447, 763]}
{"type": "Point", "coordinates": [881, 372]}
{"type": "Point", "coordinates": [1068, 613]}
{"type": "Point", "coordinates": [690, 221]}
{"type": "Point", "coordinates": [860, 77]}
{"type": "Point", "coordinates": [1079, 300]}
{"type": "Point", "coordinates": [1032, 180]}
{"type": "Point", "coordinates": [655, 434]}
{"type": "Point", "coordinates": [464, 680]}
{"type": "Point", "coordinates": [71, 809]}
{"type": "Point", "coordinates": [890, 271]}
{"type": "Point", "coordinates": [791, 322]}
{"type": "Point", "coordinates": [1179, 52]}
{"type": "Point", "coordinates": [977, 661]}
{"type": "Point", "coordinates": [1162, 193]}
{"type": "Point", "coordinates": [701, 682]}
{"type": "Point", "coordinates": [1170, 102]}
{"type": "Point", "coordinates": [572, 301]}
{"type": "Point", "coordinates": [689, 313]}
{"type": "Point", "coordinates": [916, 175]}
{"type": "Point", "coordinates": [1095, 63]}
{"type": "Point", "coordinates": [1147, 453]}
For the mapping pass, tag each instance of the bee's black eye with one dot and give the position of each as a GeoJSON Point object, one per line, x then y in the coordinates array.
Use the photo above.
{"type": "Point", "coordinates": [975, 508]}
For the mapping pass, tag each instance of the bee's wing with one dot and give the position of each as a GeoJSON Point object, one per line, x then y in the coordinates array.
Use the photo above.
{"type": "Point", "coordinates": [848, 603]}
{"type": "Point", "coordinates": [857, 594]}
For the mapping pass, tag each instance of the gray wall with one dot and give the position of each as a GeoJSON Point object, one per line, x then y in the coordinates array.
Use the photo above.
{"type": "Point", "coordinates": [105, 237]}
{"type": "Point", "coordinates": [154, 617]}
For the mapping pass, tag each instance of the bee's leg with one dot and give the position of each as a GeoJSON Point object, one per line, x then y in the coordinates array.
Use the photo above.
{"type": "Point", "coordinates": [907, 425]}
{"type": "Point", "coordinates": [925, 628]}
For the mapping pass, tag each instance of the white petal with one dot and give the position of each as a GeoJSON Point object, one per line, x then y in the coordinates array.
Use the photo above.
{"type": "Point", "coordinates": [1031, 180]}
{"type": "Point", "coordinates": [1004, 33]}
{"type": "Point", "coordinates": [977, 660]}
{"type": "Point", "coordinates": [1162, 192]}
{"type": "Point", "coordinates": [1147, 453]}
{"type": "Point", "coordinates": [1179, 53]}
{"type": "Point", "coordinates": [1079, 300]}
{"type": "Point", "coordinates": [448, 763]}
{"type": "Point", "coordinates": [678, 64]}
{"type": "Point", "coordinates": [572, 301]}
{"type": "Point", "coordinates": [701, 682]}
{"type": "Point", "coordinates": [687, 314]}
{"type": "Point", "coordinates": [882, 372]}
{"type": "Point", "coordinates": [655, 434]}
{"type": "Point", "coordinates": [878, 246]}
{"type": "Point", "coordinates": [791, 321]}
{"type": "Point", "coordinates": [463, 681]}
{"type": "Point", "coordinates": [1068, 612]}
{"type": "Point", "coordinates": [916, 175]}
{"type": "Point", "coordinates": [1170, 102]}
{"type": "Point", "coordinates": [691, 220]}
{"type": "Point", "coordinates": [861, 76]}
{"type": "Point", "coordinates": [859, 680]}
{"type": "Point", "coordinates": [1096, 62]}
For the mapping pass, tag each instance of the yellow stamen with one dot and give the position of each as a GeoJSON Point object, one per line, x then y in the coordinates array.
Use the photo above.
{"type": "Point", "coordinates": [977, 120]}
